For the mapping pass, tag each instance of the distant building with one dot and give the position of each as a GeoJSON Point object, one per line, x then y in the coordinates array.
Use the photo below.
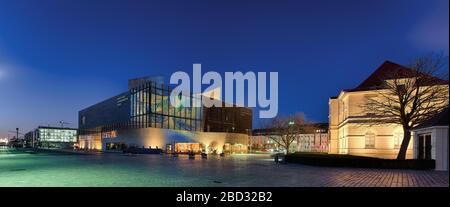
{"type": "Point", "coordinates": [143, 117]}
{"type": "Point", "coordinates": [313, 138]}
{"type": "Point", "coordinates": [4, 141]}
{"type": "Point", "coordinates": [431, 140]}
{"type": "Point", "coordinates": [349, 130]}
{"type": "Point", "coordinates": [51, 137]}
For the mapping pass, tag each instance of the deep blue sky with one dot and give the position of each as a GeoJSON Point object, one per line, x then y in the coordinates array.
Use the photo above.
{"type": "Point", "coordinates": [57, 57]}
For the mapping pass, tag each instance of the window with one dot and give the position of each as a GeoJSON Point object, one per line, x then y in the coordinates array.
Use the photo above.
{"type": "Point", "coordinates": [370, 140]}
{"type": "Point", "coordinates": [401, 89]}
{"type": "Point", "coordinates": [165, 122]}
{"type": "Point", "coordinates": [424, 147]}
{"type": "Point", "coordinates": [151, 107]}
{"type": "Point", "coordinates": [398, 139]}
{"type": "Point", "coordinates": [57, 135]}
{"type": "Point", "coordinates": [109, 134]}
{"type": "Point", "coordinates": [345, 111]}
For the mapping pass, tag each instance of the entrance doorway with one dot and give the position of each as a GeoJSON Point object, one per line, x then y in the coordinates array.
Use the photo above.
{"type": "Point", "coordinates": [168, 148]}
{"type": "Point", "coordinates": [187, 147]}
{"type": "Point", "coordinates": [116, 146]}
{"type": "Point", "coordinates": [424, 151]}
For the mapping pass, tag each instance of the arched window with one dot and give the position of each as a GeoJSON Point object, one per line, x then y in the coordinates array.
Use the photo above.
{"type": "Point", "coordinates": [370, 140]}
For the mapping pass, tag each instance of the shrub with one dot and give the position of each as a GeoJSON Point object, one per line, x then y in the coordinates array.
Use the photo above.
{"type": "Point", "coordinates": [334, 160]}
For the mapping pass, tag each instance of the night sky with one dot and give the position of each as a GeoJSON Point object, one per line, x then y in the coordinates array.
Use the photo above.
{"type": "Point", "coordinates": [58, 57]}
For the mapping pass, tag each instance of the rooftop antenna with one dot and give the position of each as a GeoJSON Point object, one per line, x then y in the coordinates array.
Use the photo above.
{"type": "Point", "coordinates": [62, 122]}
{"type": "Point", "coordinates": [17, 133]}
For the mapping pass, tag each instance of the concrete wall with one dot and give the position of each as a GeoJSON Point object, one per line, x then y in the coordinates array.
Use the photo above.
{"type": "Point", "coordinates": [90, 142]}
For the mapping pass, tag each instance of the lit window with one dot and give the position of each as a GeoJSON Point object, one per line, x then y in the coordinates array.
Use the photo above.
{"type": "Point", "coordinates": [370, 141]}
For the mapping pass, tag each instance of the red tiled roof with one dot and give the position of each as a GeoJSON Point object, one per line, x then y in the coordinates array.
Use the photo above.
{"type": "Point", "coordinates": [388, 70]}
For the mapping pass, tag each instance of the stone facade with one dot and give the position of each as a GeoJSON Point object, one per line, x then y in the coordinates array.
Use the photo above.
{"type": "Point", "coordinates": [350, 128]}
{"type": "Point", "coordinates": [351, 134]}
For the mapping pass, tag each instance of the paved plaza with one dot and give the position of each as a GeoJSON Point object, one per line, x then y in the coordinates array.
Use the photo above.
{"type": "Point", "coordinates": [49, 169]}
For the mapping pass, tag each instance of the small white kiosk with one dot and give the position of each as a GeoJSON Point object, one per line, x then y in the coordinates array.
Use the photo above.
{"type": "Point", "coordinates": [431, 140]}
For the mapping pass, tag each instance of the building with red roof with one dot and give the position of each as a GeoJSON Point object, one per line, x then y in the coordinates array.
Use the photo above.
{"type": "Point", "coordinates": [350, 130]}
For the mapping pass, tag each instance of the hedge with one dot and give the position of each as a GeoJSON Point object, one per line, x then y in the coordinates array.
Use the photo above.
{"type": "Point", "coordinates": [335, 160]}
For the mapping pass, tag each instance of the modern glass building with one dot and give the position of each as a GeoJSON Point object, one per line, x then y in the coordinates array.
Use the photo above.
{"type": "Point", "coordinates": [150, 107]}
{"type": "Point", "coordinates": [51, 137]}
{"type": "Point", "coordinates": [143, 117]}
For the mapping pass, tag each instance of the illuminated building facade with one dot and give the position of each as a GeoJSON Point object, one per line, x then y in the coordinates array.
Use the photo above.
{"type": "Point", "coordinates": [312, 138]}
{"type": "Point", "coordinates": [4, 141]}
{"type": "Point", "coordinates": [51, 137]}
{"type": "Point", "coordinates": [143, 117]}
{"type": "Point", "coordinates": [350, 129]}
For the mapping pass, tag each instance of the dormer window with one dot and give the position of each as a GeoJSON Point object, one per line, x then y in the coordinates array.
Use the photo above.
{"type": "Point", "coordinates": [401, 89]}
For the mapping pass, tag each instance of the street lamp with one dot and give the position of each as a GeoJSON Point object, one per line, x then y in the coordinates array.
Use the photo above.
{"type": "Point", "coordinates": [291, 130]}
{"type": "Point", "coordinates": [250, 140]}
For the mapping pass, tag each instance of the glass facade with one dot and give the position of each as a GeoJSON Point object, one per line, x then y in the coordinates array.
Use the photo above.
{"type": "Point", "coordinates": [150, 107]}
{"type": "Point", "coordinates": [57, 135]}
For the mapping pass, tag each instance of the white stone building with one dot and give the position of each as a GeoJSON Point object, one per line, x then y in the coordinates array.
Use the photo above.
{"type": "Point", "coordinates": [349, 129]}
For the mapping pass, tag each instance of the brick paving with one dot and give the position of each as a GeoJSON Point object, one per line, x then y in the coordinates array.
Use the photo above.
{"type": "Point", "coordinates": [384, 178]}
{"type": "Point", "coordinates": [161, 170]}
{"type": "Point", "coordinates": [312, 176]}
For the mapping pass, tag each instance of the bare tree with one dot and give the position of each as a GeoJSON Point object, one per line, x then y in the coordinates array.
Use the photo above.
{"type": "Point", "coordinates": [284, 129]}
{"type": "Point", "coordinates": [410, 96]}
